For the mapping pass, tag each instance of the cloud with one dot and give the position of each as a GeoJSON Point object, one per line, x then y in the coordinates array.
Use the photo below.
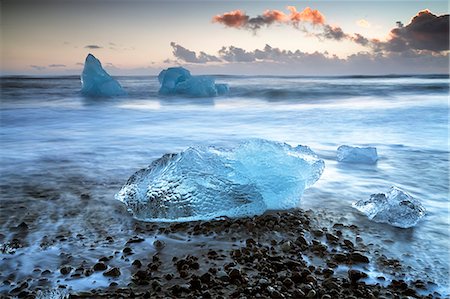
{"type": "Point", "coordinates": [426, 31]}
{"type": "Point", "coordinates": [272, 60]}
{"type": "Point", "coordinates": [359, 39]}
{"type": "Point", "coordinates": [234, 54]}
{"type": "Point", "coordinates": [191, 56]}
{"type": "Point", "coordinates": [79, 63]}
{"type": "Point", "coordinates": [239, 19]}
{"type": "Point", "coordinates": [56, 65]}
{"type": "Point", "coordinates": [332, 32]}
{"type": "Point", "coordinates": [92, 47]}
{"type": "Point", "coordinates": [307, 15]}
{"type": "Point", "coordinates": [363, 23]}
{"type": "Point", "coordinates": [38, 67]}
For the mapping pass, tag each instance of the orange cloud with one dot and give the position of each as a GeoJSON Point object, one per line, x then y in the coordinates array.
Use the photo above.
{"type": "Point", "coordinates": [235, 18]}
{"type": "Point", "coordinates": [275, 15]}
{"type": "Point", "coordinates": [307, 15]}
{"type": "Point", "coordinates": [239, 19]}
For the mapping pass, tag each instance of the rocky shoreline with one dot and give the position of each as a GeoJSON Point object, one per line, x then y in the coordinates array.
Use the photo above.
{"type": "Point", "coordinates": [277, 255]}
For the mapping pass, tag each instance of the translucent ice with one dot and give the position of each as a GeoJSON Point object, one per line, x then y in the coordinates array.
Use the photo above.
{"type": "Point", "coordinates": [206, 182]}
{"type": "Point", "coordinates": [396, 208]}
{"type": "Point", "coordinates": [350, 154]}
{"type": "Point", "coordinates": [95, 81]}
{"type": "Point", "coordinates": [178, 80]}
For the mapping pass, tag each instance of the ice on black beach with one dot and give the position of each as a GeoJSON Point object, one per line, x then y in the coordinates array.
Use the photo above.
{"type": "Point", "coordinates": [396, 208]}
{"type": "Point", "coordinates": [363, 155]}
{"type": "Point", "coordinates": [206, 182]}
{"type": "Point", "coordinates": [96, 82]}
{"type": "Point", "coordinates": [178, 80]}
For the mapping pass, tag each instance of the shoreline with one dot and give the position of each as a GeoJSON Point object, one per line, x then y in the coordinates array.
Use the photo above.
{"type": "Point", "coordinates": [289, 254]}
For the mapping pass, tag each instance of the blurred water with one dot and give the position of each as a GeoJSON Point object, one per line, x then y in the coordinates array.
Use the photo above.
{"type": "Point", "coordinates": [57, 145]}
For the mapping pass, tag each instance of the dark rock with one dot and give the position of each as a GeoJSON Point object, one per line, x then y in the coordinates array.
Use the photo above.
{"type": "Point", "coordinates": [297, 277]}
{"type": "Point", "coordinates": [355, 275]}
{"type": "Point", "coordinates": [331, 237]}
{"type": "Point", "coordinates": [298, 294]}
{"type": "Point", "coordinates": [196, 283]}
{"type": "Point", "coordinates": [22, 226]}
{"type": "Point", "coordinates": [65, 270]}
{"type": "Point", "coordinates": [311, 294]}
{"type": "Point", "coordinates": [358, 257]}
{"type": "Point", "coordinates": [340, 257]}
{"type": "Point", "coordinates": [288, 282]}
{"type": "Point", "coordinates": [158, 244]}
{"type": "Point", "coordinates": [141, 275]}
{"type": "Point", "coordinates": [301, 241]}
{"type": "Point", "coordinates": [127, 251]}
{"type": "Point", "coordinates": [137, 263]}
{"type": "Point", "coordinates": [135, 239]}
{"type": "Point", "coordinates": [156, 285]}
{"type": "Point", "coordinates": [114, 272]}
{"type": "Point", "coordinates": [99, 267]}
{"type": "Point", "coordinates": [349, 243]}
{"type": "Point", "coordinates": [330, 284]}
{"type": "Point", "coordinates": [206, 278]}
{"type": "Point", "coordinates": [235, 275]}
{"type": "Point", "coordinates": [286, 246]}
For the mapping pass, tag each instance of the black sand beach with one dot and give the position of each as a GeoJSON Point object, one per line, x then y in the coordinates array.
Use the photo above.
{"type": "Point", "coordinates": [294, 254]}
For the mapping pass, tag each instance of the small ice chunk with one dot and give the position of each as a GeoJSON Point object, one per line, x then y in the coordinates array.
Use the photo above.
{"type": "Point", "coordinates": [178, 80]}
{"type": "Point", "coordinates": [396, 208]}
{"type": "Point", "coordinates": [203, 183]}
{"type": "Point", "coordinates": [96, 82]}
{"type": "Point", "coordinates": [350, 154]}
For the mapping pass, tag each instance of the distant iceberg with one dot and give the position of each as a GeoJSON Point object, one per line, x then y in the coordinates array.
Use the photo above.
{"type": "Point", "coordinates": [96, 82]}
{"type": "Point", "coordinates": [396, 208]}
{"type": "Point", "coordinates": [206, 182]}
{"type": "Point", "coordinates": [363, 155]}
{"type": "Point", "coordinates": [178, 80]}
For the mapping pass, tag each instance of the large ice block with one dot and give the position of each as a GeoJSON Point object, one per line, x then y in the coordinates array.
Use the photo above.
{"type": "Point", "coordinates": [178, 80]}
{"type": "Point", "coordinates": [96, 82]}
{"type": "Point", "coordinates": [206, 182]}
{"type": "Point", "coordinates": [396, 208]}
{"type": "Point", "coordinates": [350, 154]}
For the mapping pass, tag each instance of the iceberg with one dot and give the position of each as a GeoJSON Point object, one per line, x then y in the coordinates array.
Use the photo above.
{"type": "Point", "coordinates": [396, 208]}
{"type": "Point", "coordinates": [207, 182]}
{"type": "Point", "coordinates": [96, 82]}
{"type": "Point", "coordinates": [178, 80]}
{"type": "Point", "coordinates": [350, 154]}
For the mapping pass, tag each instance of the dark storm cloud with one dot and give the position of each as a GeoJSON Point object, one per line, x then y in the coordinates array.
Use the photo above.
{"type": "Point", "coordinates": [191, 56]}
{"type": "Point", "coordinates": [92, 47]}
{"type": "Point", "coordinates": [426, 31]}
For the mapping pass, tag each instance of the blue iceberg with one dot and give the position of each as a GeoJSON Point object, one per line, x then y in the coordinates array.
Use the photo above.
{"type": "Point", "coordinates": [96, 82]}
{"type": "Point", "coordinates": [363, 155]}
{"type": "Point", "coordinates": [396, 208]}
{"type": "Point", "coordinates": [178, 80]}
{"type": "Point", "coordinates": [206, 182]}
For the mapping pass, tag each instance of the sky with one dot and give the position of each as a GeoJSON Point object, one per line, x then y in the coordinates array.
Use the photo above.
{"type": "Point", "coordinates": [225, 37]}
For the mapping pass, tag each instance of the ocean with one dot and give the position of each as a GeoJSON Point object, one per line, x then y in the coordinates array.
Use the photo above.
{"type": "Point", "coordinates": [64, 156]}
